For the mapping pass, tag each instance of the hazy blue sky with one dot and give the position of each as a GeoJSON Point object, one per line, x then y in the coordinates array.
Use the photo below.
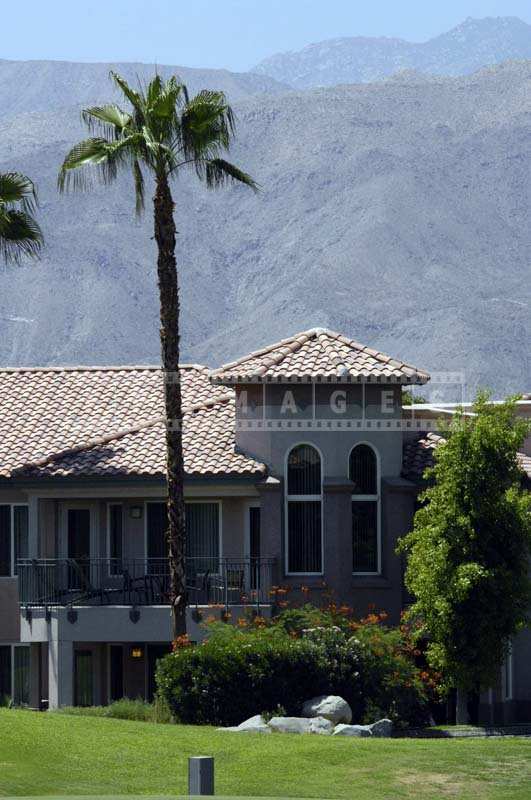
{"type": "Point", "coordinates": [220, 33]}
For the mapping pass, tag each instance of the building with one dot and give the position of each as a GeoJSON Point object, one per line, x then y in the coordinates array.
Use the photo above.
{"type": "Point", "coordinates": [302, 470]}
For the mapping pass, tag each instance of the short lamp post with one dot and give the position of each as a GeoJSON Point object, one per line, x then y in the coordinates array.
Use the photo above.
{"type": "Point", "coordinates": [200, 775]}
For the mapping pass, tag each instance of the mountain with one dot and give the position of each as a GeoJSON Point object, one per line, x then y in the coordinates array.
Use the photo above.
{"type": "Point", "coordinates": [397, 212]}
{"type": "Point", "coordinates": [474, 44]}
{"type": "Point", "coordinates": [29, 86]}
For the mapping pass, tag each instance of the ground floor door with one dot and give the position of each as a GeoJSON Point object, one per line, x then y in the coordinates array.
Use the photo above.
{"type": "Point", "coordinates": [83, 678]}
{"type": "Point", "coordinates": [116, 672]}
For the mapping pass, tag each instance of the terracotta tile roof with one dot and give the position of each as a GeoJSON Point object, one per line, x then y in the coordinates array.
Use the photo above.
{"type": "Point", "coordinates": [108, 421]}
{"type": "Point", "coordinates": [317, 355]}
{"type": "Point", "coordinates": [418, 456]}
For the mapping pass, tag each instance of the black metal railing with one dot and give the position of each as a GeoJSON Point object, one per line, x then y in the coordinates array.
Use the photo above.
{"type": "Point", "coordinates": [108, 581]}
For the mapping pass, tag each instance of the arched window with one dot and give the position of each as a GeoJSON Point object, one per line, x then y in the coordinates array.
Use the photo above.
{"type": "Point", "coordinates": [363, 472]}
{"type": "Point", "coordinates": [304, 511]}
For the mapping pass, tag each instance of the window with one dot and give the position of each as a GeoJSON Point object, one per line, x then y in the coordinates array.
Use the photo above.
{"type": "Point", "coordinates": [363, 472]}
{"type": "Point", "coordinates": [5, 674]}
{"type": "Point", "coordinates": [15, 674]}
{"type": "Point", "coordinates": [202, 536]}
{"type": "Point", "coordinates": [13, 537]}
{"type": "Point", "coordinates": [21, 676]}
{"type": "Point", "coordinates": [115, 538]}
{"type": "Point", "coordinates": [304, 511]}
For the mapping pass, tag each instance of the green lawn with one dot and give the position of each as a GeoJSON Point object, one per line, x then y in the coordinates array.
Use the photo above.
{"type": "Point", "coordinates": [57, 754]}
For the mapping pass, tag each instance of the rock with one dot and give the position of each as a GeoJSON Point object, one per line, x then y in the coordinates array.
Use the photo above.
{"type": "Point", "coordinates": [256, 724]}
{"type": "Point", "coordinates": [352, 730]}
{"type": "Point", "coordinates": [321, 726]}
{"type": "Point", "coordinates": [384, 727]}
{"type": "Point", "coordinates": [318, 725]}
{"type": "Point", "coordinates": [290, 724]}
{"type": "Point", "coordinates": [330, 707]}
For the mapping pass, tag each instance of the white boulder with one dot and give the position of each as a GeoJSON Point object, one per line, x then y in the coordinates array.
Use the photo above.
{"type": "Point", "coordinates": [256, 724]}
{"type": "Point", "coordinates": [352, 730]}
{"type": "Point", "coordinates": [317, 725]}
{"type": "Point", "coordinates": [321, 726]}
{"type": "Point", "coordinates": [290, 724]}
{"type": "Point", "coordinates": [330, 707]}
{"type": "Point", "coordinates": [384, 727]}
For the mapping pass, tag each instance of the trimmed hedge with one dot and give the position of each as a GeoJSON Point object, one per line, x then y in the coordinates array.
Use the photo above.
{"type": "Point", "coordinates": [237, 673]}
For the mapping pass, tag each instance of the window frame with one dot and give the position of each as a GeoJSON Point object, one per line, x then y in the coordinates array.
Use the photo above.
{"type": "Point", "coordinates": [370, 498]}
{"type": "Point", "coordinates": [117, 574]}
{"type": "Point", "coordinates": [302, 498]}
{"type": "Point", "coordinates": [12, 559]}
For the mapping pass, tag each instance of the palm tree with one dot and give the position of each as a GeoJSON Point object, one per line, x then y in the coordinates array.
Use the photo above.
{"type": "Point", "coordinates": [162, 132]}
{"type": "Point", "coordinates": [19, 232]}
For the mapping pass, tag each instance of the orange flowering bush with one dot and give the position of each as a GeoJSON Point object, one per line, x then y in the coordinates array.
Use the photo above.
{"type": "Point", "coordinates": [259, 663]}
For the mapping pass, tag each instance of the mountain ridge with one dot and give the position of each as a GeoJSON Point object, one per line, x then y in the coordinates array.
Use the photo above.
{"type": "Point", "coordinates": [462, 50]}
{"type": "Point", "coordinates": [396, 212]}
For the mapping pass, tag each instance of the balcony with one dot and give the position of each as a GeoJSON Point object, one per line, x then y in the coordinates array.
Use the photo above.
{"type": "Point", "coordinates": [143, 582]}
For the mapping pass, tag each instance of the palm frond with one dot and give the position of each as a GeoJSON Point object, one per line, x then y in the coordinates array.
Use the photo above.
{"type": "Point", "coordinates": [108, 120]}
{"type": "Point", "coordinates": [20, 235]}
{"type": "Point", "coordinates": [169, 98]}
{"type": "Point", "coordinates": [88, 152]}
{"type": "Point", "coordinates": [153, 90]}
{"type": "Point", "coordinates": [218, 172]}
{"type": "Point", "coordinates": [135, 98]}
{"type": "Point", "coordinates": [207, 125]}
{"type": "Point", "coordinates": [18, 188]}
{"type": "Point", "coordinates": [77, 169]}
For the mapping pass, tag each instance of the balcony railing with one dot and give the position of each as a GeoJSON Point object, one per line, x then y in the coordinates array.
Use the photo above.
{"type": "Point", "coordinates": [140, 582]}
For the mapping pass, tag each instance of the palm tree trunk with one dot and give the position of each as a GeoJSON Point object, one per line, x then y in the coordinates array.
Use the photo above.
{"type": "Point", "coordinates": [169, 339]}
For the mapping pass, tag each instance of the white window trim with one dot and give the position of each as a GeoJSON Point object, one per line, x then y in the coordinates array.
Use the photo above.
{"type": "Point", "coordinates": [371, 498]}
{"type": "Point", "coordinates": [12, 507]}
{"type": "Point", "coordinates": [302, 498]}
{"type": "Point", "coordinates": [194, 501]}
{"type": "Point", "coordinates": [108, 546]}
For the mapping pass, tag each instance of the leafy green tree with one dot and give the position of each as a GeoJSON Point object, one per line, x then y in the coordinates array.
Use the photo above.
{"type": "Point", "coordinates": [19, 232]}
{"type": "Point", "coordinates": [468, 552]}
{"type": "Point", "coordinates": [162, 132]}
{"type": "Point", "coordinates": [409, 398]}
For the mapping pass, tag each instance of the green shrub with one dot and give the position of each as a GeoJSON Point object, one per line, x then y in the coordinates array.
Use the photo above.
{"type": "Point", "coordinates": [236, 673]}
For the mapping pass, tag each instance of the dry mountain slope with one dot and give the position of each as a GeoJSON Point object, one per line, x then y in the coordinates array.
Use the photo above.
{"type": "Point", "coordinates": [395, 212]}
{"type": "Point", "coordinates": [29, 86]}
{"type": "Point", "coordinates": [474, 44]}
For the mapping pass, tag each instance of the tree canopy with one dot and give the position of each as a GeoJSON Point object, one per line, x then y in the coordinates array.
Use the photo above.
{"type": "Point", "coordinates": [163, 130]}
{"type": "Point", "coordinates": [468, 552]}
{"type": "Point", "coordinates": [20, 234]}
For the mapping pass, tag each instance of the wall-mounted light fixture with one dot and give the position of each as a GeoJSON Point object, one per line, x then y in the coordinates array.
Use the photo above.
{"type": "Point", "coordinates": [135, 512]}
{"type": "Point", "coordinates": [137, 651]}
